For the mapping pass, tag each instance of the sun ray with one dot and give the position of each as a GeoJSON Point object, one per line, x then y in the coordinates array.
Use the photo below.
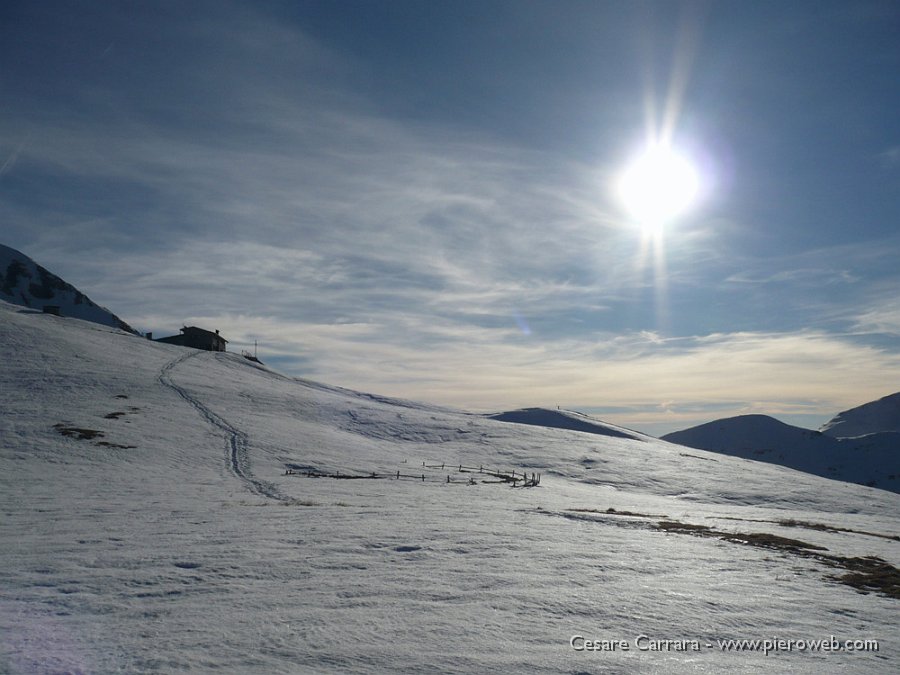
{"type": "Point", "coordinates": [661, 183]}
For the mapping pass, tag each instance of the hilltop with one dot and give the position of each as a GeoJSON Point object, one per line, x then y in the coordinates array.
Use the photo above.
{"type": "Point", "coordinates": [566, 419]}
{"type": "Point", "coordinates": [23, 282]}
{"type": "Point", "coordinates": [869, 418]}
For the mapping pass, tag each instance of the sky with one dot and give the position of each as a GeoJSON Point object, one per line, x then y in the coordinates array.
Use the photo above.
{"type": "Point", "coordinates": [420, 199]}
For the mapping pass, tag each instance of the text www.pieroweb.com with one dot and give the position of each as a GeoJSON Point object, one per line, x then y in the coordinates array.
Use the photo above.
{"type": "Point", "coordinates": [775, 644]}
{"type": "Point", "coordinates": [645, 643]}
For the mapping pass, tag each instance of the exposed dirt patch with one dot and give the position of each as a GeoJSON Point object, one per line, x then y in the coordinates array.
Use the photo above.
{"type": "Point", "coordinates": [871, 574]}
{"type": "Point", "coordinates": [865, 574]}
{"type": "Point", "coordinates": [821, 527]}
{"type": "Point", "coordinates": [832, 528]}
{"type": "Point", "coordinates": [116, 446]}
{"type": "Point", "coordinates": [612, 512]}
{"type": "Point", "coordinates": [114, 415]}
{"type": "Point", "coordinates": [77, 432]}
{"type": "Point", "coordinates": [83, 434]}
{"type": "Point", "coordinates": [684, 528]}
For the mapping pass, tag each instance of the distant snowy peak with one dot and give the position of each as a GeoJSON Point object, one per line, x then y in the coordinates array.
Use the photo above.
{"type": "Point", "coordinates": [744, 432]}
{"type": "Point", "coordinates": [871, 460]}
{"type": "Point", "coordinates": [565, 419]}
{"type": "Point", "coordinates": [869, 418]}
{"type": "Point", "coordinates": [24, 282]}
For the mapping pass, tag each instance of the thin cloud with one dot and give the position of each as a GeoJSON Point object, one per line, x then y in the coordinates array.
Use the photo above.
{"type": "Point", "coordinates": [880, 317]}
{"type": "Point", "coordinates": [891, 156]}
{"type": "Point", "coordinates": [809, 276]}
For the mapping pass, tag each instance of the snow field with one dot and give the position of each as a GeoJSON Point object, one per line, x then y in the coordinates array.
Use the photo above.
{"type": "Point", "coordinates": [164, 558]}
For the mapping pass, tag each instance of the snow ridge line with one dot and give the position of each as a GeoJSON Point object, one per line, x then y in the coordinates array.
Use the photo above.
{"type": "Point", "coordinates": [237, 452]}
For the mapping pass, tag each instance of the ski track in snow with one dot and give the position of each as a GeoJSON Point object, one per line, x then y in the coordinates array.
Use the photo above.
{"type": "Point", "coordinates": [238, 446]}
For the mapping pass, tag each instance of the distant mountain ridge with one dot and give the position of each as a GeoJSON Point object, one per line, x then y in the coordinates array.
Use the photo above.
{"type": "Point", "coordinates": [871, 459]}
{"type": "Point", "coordinates": [869, 418]}
{"type": "Point", "coordinates": [24, 282]}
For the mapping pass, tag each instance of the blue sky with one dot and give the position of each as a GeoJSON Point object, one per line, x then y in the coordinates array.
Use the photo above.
{"type": "Point", "coordinates": [417, 198]}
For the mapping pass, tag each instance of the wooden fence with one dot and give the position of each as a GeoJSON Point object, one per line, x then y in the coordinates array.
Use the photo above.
{"type": "Point", "coordinates": [492, 475]}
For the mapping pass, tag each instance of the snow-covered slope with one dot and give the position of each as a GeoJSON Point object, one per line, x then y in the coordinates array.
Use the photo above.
{"type": "Point", "coordinates": [870, 418]}
{"type": "Point", "coordinates": [566, 419]}
{"type": "Point", "coordinates": [24, 282]}
{"type": "Point", "coordinates": [872, 460]}
{"type": "Point", "coordinates": [149, 525]}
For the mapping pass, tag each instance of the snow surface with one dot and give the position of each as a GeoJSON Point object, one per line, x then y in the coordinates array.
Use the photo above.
{"type": "Point", "coordinates": [24, 282]}
{"type": "Point", "coordinates": [870, 418]}
{"type": "Point", "coordinates": [872, 460]}
{"type": "Point", "coordinates": [182, 544]}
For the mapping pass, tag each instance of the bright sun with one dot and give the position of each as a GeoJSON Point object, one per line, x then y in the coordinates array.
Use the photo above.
{"type": "Point", "coordinates": [659, 186]}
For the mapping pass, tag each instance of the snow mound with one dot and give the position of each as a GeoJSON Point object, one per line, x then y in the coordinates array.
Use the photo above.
{"type": "Point", "coordinates": [869, 418]}
{"type": "Point", "coordinates": [24, 282]}
{"type": "Point", "coordinates": [872, 460]}
{"type": "Point", "coordinates": [565, 419]}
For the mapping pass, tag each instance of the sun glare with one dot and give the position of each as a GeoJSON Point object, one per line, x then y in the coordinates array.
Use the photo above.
{"type": "Point", "coordinates": [657, 187]}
